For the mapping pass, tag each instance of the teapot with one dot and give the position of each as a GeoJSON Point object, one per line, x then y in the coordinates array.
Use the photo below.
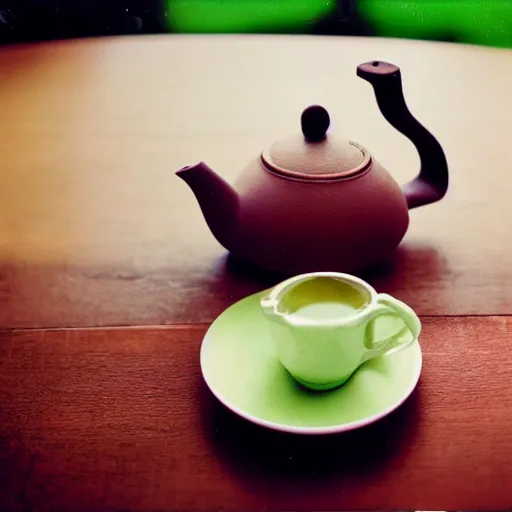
{"type": "Point", "coordinates": [317, 202]}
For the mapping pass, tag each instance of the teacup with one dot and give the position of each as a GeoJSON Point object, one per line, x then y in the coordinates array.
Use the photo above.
{"type": "Point", "coordinates": [323, 326]}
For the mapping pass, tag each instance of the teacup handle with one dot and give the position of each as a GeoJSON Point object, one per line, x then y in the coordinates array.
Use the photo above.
{"type": "Point", "coordinates": [388, 305]}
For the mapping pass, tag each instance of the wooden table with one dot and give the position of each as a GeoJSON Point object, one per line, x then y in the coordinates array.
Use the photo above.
{"type": "Point", "coordinates": [109, 276]}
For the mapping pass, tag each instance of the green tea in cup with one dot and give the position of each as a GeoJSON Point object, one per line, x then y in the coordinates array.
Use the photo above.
{"type": "Point", "coordinates": [324, 298]}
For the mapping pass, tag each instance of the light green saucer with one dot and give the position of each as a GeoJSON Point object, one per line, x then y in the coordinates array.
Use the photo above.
{"type": "Point", "coordinates": [241, 370]}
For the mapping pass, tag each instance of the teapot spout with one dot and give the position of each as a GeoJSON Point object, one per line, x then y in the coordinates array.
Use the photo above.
{"type": "Point", "coordinates": [431, 184]}
{"type": "Point", "coordinates": [217, 199]}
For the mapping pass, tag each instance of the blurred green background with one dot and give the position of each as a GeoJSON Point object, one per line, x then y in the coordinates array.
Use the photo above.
{"type": "Point", "coordinates": [487, 22]}
{"type": "Point", "coordinates": [481, 22]}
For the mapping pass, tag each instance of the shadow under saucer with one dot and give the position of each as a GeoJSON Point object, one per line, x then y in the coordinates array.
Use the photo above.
{"type": "Point", "coordinates": [248, 450]}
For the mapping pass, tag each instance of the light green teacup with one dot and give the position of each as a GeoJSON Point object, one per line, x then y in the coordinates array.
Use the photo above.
{"type": "Point", "coordinates": [323, 326]}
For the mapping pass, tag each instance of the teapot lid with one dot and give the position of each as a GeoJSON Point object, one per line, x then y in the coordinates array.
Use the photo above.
{"type": "Point", "coordinates": [313, 155]}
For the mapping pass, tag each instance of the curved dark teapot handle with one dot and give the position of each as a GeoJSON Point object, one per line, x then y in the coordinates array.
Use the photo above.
{"type": "Point", "coordinates": [431, 184]}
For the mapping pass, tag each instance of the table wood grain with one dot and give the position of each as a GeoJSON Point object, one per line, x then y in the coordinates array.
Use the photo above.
{"type": "Point", "coordinates": [96, 230]}
{"type": "Point", "coordinates": [120, 419]}
{"type": "Point", "coordinates": [109, 277]}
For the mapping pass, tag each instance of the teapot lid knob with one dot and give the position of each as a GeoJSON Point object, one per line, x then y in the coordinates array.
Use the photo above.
{"type": "Point", "coordinates": [315, 122]}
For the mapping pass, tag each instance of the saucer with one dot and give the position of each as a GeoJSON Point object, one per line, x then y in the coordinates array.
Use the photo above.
{"type": "Point", "coordinates": [241, 370]}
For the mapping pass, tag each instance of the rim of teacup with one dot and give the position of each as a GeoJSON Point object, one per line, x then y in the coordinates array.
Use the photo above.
{"type": "Point", "coordinates": [272, 300]}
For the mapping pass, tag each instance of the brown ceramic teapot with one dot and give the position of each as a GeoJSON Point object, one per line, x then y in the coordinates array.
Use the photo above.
{"type": "Point", "coordinates": [315, 202]}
